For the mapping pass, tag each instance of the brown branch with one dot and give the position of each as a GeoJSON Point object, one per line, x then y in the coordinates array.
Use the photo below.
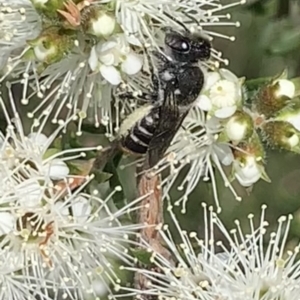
{"type": "Point", "coordinates": [150, 214]}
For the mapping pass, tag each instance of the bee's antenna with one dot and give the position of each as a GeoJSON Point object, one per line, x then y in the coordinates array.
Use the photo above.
{"type": "Point", "coordinates": [176, 21]}
{"type": "Point", "coordinates": [192, 18]}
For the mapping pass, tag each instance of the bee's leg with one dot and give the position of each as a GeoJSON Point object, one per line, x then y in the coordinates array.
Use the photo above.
{"type": "Point", "coordinates": [161, 57]}
{"type": "Point", "coordinates": [154, 74]}
{"type": "Point", "coordinates": [155, 82]}
{"type": "Point", "coordinates": [142, 97]}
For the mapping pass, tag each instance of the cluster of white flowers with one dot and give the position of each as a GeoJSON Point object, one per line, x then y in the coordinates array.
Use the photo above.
{"type": "Point", "coordinates": [56, 241]}
{"type": "Point", "coordinates": [62, 238]}
{"type": "Point", "coordinates": [229, 265]}
{"type": "Point", "coordinates": [224, 133]}
{"type": "Point", "coordinates": [74, 54]}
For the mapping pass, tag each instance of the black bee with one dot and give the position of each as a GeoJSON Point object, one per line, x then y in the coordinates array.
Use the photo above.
{"type": "Point", "coordinates": [177, 84]}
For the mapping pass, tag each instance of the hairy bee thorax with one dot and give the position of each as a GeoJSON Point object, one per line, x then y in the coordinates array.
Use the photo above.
{"type": "Point", "coordinates": [178, 70]}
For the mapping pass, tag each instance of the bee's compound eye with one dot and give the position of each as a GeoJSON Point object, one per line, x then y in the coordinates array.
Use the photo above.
{"type": "Point", "coordinates": [177, 42]}
{"type": "Point", "coordinates": [180, 46]}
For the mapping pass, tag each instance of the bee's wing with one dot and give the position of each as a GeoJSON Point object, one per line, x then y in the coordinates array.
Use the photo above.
{"type": "Point", "coordinates": [170, 120]}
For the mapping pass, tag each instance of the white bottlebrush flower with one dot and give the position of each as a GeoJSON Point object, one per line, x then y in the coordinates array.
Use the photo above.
{"type": "Point", "coordinates": [76, 237]}
{"type": "Point", "coordinates": [225, 264]}
{"type": "Point", "coordinates": [75, 83]}
{"type": "Point", "coordinates": [19, 22]}
{"type": "Point", "coordinates": [16, 286]}
{"type": "Point", "coordinates": [254, 266]}
{"type": "Point", "coordinates": [173, 272]}
{"type": "Point", "coordinates": [26, 160]}
{"type": "Point", "coordinates": [196, 145]}
{"type": "Point", "coordinates": [221, 94]}
{"type": "Point", "coordinates": [76, 73]}
{"type": "Point", "coordinates": [108, 56]}
{"type": "Point", "coordinates": [58, 242]}
{"type": "Point", "coordinates": [141, 19]}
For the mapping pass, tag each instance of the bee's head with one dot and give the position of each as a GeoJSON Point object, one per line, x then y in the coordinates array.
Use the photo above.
{"type": "Point", "coordinates": [187, 47]}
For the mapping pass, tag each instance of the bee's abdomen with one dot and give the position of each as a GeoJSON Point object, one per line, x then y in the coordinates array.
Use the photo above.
{"type": "Point", "coordinates": [132, 144]}
{"type": "Point", "coordinates": [138, 138]}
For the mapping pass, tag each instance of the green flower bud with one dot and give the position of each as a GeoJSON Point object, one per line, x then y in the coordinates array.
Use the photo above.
{"type": "Point", "coordinates": [248, 165]}
{"type": "Point", "coordinates": [253, 146]}
{"type": "Point", "coordinates": [51, 45]}
{"type": "Point", "coordinates": [282, 135]}
{"type": "Point", "coordinates": [291, 114]}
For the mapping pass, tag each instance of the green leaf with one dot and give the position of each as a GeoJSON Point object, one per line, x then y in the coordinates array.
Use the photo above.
{"type": "Point", "coordinates": [142, 256]}
{"type": "Point", "coordinates": [73, 140]}
{"type": "Point", "coordinates": [111, 167]}
{"type": "Point", "coordinates": [58, 143]}
{"type": "Point", "coordinates": [80, 167]}
{"type": "Point", "coordinates": [74, 169]}
{"type": "Point", "coordinates": [50, 152]}
{"type": "Point", "coordinates": [102, 176]}
{"type": "Point", "coordinates": [127, 177]}
{"type": "Point", "coordinates": [29, 54]}
{"type": "Point", "coordinates": [255, 84]}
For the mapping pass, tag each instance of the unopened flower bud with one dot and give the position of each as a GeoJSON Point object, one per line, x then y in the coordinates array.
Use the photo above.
{"type": "Point", "coordinates": [291, 114]}
{"type": "Point", "coordinates": [248, 172]}
{"type": "Point", "coordinates": [248, 165]}
{"type": "Point", "coordinates": [239, 127]}
{"type": "Point", "coordinates": [274, 97]}
{"type": "Point", "coordinates": [282, 135]}
{"type": "Point", "coordinates": [51, 46]}
{"type": "Point", "coordinates": [99, 23]}
{"type": "Point", "coordinates": [284, 88]}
